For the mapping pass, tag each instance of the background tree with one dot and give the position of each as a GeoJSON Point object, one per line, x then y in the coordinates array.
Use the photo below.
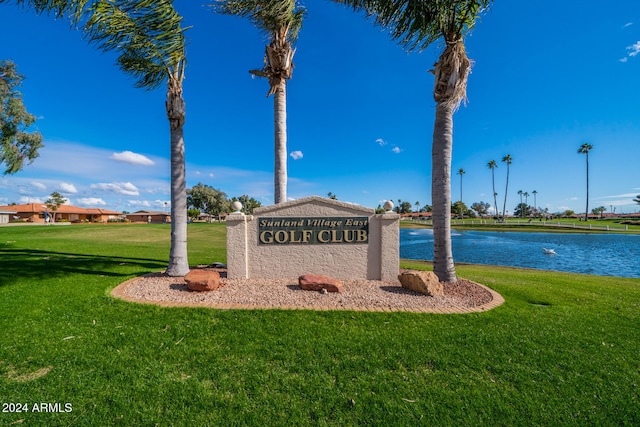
{"type": "Point", "coordinates": [17, 144]}
{"type": "Point", "coordinates": [248, 203]}
{"type": "Point", "coordinates": [535, 202]}
{"type": "Point", "coordinates": [416, 24]}
{"type": "Point", "coordinates": [520, 193]}
{"type": "Point", "coordinates": [332, 196]}
{"type": "Point", "coordinates": [493, 165]}
{"type": "Point", "coordinates": [522, 210]}
{"type": "Point", "coordinates": [508, 160]}
{"type": "Point", "coordinates": [281, 20]}
{"type": "Point", "coordinates": [584, 149]}
{"type": "Point", "coordinates": [598, 211]}
{"type": "Point", "coordinates": [460, 209]}
{"type": "Point", "coordinates": [208, 200]}
{"type": "Point", "coordinates": [481, 208]}
{"type": "Point", "coordinates": [194, 214]}
{"type": "Point", "coordinates": [403, 207]}
{"type": "Point", "coordinates": [637, 199]}
{"type": "Point", "coordinates": [54, 201]}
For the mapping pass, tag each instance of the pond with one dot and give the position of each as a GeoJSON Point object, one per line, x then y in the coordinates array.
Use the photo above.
{"type": "Point", "coordinates": [588, 253]}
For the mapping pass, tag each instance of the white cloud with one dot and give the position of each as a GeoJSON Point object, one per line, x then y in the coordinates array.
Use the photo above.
{"type": "Point", "coordinates": [634, 51]}
{"type": "Point", "coordinates": [124, 188]}
{"type": "Point", "coordinates": [163, 203]}
{"type": "Point", "coordinates": [26, 199]}
{"type": "Point", "coordinates": [211, 175]}
{"type": "Point", "coordinates": [381, 142]}
{"type": "Point", "coordinates": [67, 188]}
{"type": "Point", "coordinates": [628, 24]}
{"type": "Point", "coordinates": [132, 158]}
{"type": "Point", "coordinates": [296, 155]}
{"type": "Point", "coordinates": [617, 196]}
{"type": "Point", "coordinates": [396, 150]}
{"type": "Point", "coordinates": [91, 201]}
{"type": "Point", "coordinates": [139, 203]}
{"type": "Point", "coordinates": [39, 185]}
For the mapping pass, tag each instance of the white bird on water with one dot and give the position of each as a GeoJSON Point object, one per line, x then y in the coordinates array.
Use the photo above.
{"type": "Point", "coordinates": [548, 251]}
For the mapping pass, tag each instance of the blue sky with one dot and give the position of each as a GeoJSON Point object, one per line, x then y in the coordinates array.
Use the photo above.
{"type": "Point", "coordinates": [547, 76]}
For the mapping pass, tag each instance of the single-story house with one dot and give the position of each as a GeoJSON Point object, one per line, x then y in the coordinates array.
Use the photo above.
{"type": "Point", "coordinates": [149, 217]}
{"type": "Point", "coordinates": [36, 212]}
{"type": "Point", "coordinates": [6, 216]}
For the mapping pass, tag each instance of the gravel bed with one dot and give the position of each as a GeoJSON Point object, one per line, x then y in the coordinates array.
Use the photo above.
{"type": "Point", "coordinates": [373, 295]}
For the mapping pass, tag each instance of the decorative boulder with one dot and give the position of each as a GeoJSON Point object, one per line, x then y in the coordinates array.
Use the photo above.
{"type": "Point", "coordinates": [425, 282]}
{"type": "Point", "coordinates": [202, 280]}
{"type": "Point", "coordinates": [317, 282]}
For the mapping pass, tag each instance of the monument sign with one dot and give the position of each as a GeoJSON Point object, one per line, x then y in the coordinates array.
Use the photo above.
{"type": "Point", "coordinates": [313, 235]}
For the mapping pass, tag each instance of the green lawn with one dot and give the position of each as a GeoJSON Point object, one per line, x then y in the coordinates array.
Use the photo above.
{"type": "Point", "coordinates": [563, 349]}
{"type": "Point", "coordinates": [559, 225]}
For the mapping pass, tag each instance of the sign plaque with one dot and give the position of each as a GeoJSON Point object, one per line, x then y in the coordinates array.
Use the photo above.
{"type": "Point", "coordinates": [313, 230]}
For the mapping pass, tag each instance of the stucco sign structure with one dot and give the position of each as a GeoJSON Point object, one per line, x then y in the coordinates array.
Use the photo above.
{"type": "Point", "coordinates": [313, 235]}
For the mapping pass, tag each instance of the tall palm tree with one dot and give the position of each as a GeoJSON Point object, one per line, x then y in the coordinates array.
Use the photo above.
{"type": "Point", "coordinates": [493, 165]}
{"type": "Point", "coordinates": [281, 20]}
{"type": "Point", "coordinates": [151, 42]}
{"type": "Point", "coordinates": [416, 24]}
{"type": "Point", "coordinates": [506, 159]}
{"type": "Point", "coordinates": [637, 199]}
{"type": "Point", "coordinates": [461, 172]}
{"type": "Point", "coordinates": [535, 204]}
{"type": "Point", "coordinates": [584, 149]}
{"type": "Point", "coordinates": [520, 193]}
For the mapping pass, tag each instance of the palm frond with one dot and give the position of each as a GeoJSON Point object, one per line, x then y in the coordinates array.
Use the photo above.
{"type": "Point", "coordinates": [415, 24]}
{"type": "Point", "coordinates": [276, 18]}
{"type": "Point", "coordinates": [148, 33]}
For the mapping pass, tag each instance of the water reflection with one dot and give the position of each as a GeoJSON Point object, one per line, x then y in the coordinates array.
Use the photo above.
{"type": "Point", "coordinates": [598, 254]}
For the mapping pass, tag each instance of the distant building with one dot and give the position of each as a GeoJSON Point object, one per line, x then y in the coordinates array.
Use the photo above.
{"type": "Point", "coordinates": [35, 212]}
{"type": "Point", "coordinates": [149, 217]}
{"type": "Point", "coordinates": [6, 216]}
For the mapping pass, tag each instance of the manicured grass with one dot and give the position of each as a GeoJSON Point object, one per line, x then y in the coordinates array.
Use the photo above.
{"type": "Point", "coordinates": [553, 226]}
{"type": "Point", "coordinates": [562, 350]}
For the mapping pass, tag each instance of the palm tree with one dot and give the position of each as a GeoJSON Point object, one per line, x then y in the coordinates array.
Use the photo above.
{"type": "Point", "coordinates": [417, 205]}
{"type": "Point", "coordinates": [520, 193]}
{"type": "Point", "coordinates": [637, 199]}
{"type": "Point", "coordinates": [507, 159]}
{"type": "Point", "coordinates": [461, 172]}
{"type": "Point", "coordinates": [151, 42]}
{"type": "Point", "coordinates": [416, 24]}
{"type": "Point", "coordinates": [492, 165]}
{"type": "Point", "coordinates": [584, 149]}
{"type": "Point", "coordinates": [281, 20]}
{"type": "Point", "coordinates": [535, 204]}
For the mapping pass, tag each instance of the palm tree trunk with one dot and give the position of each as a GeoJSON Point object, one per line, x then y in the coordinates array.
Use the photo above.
{"type": "Point", "coordinates": [586, 209]}
{"type": "Point", "coordinates": [280, 135]}
{"type": "Point", "coordinates": [178, 260]}
{"type": "Point", "coordinates": [506, 190]}
{"type": "Point", "coordinates": [443, 265]}
{"type": "Point", "coordinates": [495, 199]}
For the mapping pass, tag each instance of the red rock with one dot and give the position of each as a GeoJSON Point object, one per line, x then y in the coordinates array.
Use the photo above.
{"type": "Point", "coordinates": [317, 282]}
{"type": "Point", "coordinates": [202, 280]}
{"type": "Point", "coordinates": [425, 282]}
